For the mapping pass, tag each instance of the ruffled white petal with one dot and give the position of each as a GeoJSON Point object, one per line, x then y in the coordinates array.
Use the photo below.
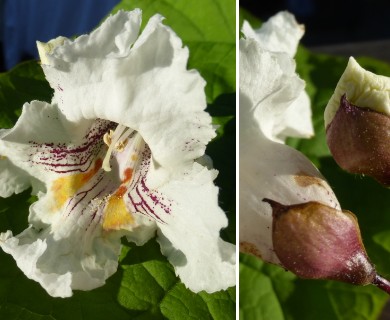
{"type": "Point", "coordinates": [67, 245]}
{"type": "Point", "coordinates": [278, 172]}
{"type": "Point", "coordinates": [269, 86]}
{"type": "Point", "coordinates": [44, 49]}
{"type": "Point", "coordinates": [273, 106]}
{"type": "Point", "coordinates": [281, 33]}
{"type": "Point", "coordinates": [148, 83]}
{"type": "Point", "coordinates": [189, 236]}
{"type": "Point", "coordinates": [12, 179]}
{"type": "Point", "coordinates": [296, 121]}
{"type": "Point", "coordinates": [185, 208]}
{"type": "Point", "coordinates": [113, 39]}
{"type": "Point", "coordinates": [43, 144]}
{"type": "Point", "coordinates": [83, 260]}
{"type": "Point", "coordinates": [63, 250]}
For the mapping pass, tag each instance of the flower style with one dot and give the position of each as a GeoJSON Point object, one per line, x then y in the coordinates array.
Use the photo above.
{"type": "Point", "coordinates": [115, 154]}
{"type": "Point", "coordinates": [289, 215]}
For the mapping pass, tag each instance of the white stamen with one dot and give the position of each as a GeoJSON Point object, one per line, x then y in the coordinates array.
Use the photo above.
{"type": "Point", "coordinates": [112, 140]}
{"type": "Point", "coordinates": [120, 146]}
{"type": "Point", "coordinates": [108, 137]}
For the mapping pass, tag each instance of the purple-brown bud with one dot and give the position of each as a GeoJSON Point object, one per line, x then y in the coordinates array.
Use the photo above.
{"type": "Point", "coordinates": [359, 140]}
{"type": "Point", "coordinates": [315, 241]}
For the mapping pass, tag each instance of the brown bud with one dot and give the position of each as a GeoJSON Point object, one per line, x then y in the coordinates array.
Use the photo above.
{"type": "Point", "coordinates": [359, 140]}
{"type": "Point", "coordinates": [315, 241]}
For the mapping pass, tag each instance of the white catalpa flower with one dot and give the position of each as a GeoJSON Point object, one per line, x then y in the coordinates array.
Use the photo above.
{"type": "Point", "coordinates": [269, 86]}
{"type": "Point", "coordinates": [114, 154]}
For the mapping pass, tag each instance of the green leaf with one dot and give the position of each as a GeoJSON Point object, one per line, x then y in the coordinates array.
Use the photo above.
{"type": "Point", "coordinates": [22, 84]}
{"type": "Point", "coordinates": [258, 299]}
{"type": "Point", "coordinates": [252, 19]}
{"type": "Point", "coordinates": [269, 292]}
{"type": "Point", "coordinates": [332, 300]}
{"type": "Point", "coordinates": [147, 277]}
{"type": "Point", "coordinates": [149, 285]}
{"type": "Point", "coordinates": [383, 239]}
{"type": "Point", "coordinates": [184, 304]}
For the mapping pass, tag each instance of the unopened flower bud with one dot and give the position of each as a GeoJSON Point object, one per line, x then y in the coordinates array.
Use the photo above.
{"type": "Point", "coordinates": [359, 140]}
{"type": "Point", "coordinates": [315, 241]}
{"type": "Point", "coordinates": [357, 121]}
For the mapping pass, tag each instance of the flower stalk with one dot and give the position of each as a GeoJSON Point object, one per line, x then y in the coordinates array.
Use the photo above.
{"type": "Point", "coordinates": [382, 283]}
